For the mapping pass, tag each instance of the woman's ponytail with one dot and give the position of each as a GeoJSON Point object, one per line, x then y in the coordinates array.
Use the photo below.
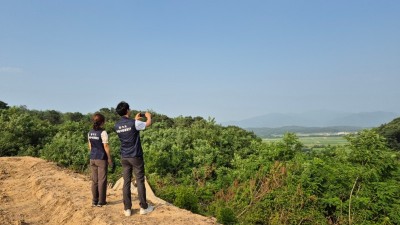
{"type": "Point", "coordinates": [98, 120]}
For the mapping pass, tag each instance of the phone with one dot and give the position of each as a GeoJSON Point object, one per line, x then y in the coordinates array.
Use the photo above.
{"type": "Point", "coordinates": [142, 114]}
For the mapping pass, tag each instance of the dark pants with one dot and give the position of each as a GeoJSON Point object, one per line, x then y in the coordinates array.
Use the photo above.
{"type": "Point", "coordinates": [99, 181]}
{"type": "Point", "coordinates": [137, 166]}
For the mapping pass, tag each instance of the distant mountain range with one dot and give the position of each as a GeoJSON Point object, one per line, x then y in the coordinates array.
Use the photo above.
{"type": "Point", "coordinates": [321, 118]}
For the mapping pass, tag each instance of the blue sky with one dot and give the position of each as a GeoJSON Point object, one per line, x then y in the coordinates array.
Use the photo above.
{"type": "Point", "coordinates": [229, 60]}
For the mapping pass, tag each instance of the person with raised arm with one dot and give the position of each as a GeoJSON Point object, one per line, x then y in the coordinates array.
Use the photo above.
{"type": "Point", "coordinates": [128, 131]}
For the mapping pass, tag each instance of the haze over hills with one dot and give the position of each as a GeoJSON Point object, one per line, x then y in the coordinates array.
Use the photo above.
{"type": "Point", "coordinates": [322, 118]}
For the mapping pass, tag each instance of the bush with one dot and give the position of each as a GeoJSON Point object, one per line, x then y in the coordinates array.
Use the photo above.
{"type": "Point", "coordinates": [187, 199]}
{"type": "Point", "coordinates": [22, 132]}
{"type": "Point", "coordinates": [67, 149]}
{"type": "Point", "coordinates": [226, 216]}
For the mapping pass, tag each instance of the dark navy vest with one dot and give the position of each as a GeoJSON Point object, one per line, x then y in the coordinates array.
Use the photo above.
{"type": "Point", "coordinates": [97, 151]}
{"type": "Point", "coordinates": [129, 137]}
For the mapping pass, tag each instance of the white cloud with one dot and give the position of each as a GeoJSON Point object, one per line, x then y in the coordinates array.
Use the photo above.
{"type": "Point", "coordinates": [10, 70]}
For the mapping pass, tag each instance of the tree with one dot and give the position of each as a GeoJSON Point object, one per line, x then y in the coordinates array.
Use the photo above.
{"type": "Point", "coordinates": [22, 132]}
{"type": "Point", "coordinates": [75, 116]}
{"type": "Point", "coordinates": [391, 132]}
{"type": "Point", "coordinates": [68, 147]}
{"type": "Point", "coordinates": [289, 146]}
{"type": "Point", "coordinates": [3, 105]}
{"type": "Point", "coordinates": [369, 150]}
{"type": "Point", "coordinates": [53, 116]}
{"type": "Point", "coordinates": [377, 175]}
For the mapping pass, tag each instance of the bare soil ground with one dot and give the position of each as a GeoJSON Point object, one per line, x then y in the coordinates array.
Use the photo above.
{"type": "Point", "coordinates": [34, 191]}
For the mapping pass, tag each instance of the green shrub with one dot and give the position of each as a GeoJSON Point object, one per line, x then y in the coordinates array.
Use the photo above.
{"type": "Point", "coordinates": [67, 149]}
{"type": "Point", "coordinates": [187, 199]}
{"type": "Point", "coordinates": [226, 216]}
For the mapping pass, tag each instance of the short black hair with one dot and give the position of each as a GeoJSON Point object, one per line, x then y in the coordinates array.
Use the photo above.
{"type": "Point", "coordinates": [122, 108]}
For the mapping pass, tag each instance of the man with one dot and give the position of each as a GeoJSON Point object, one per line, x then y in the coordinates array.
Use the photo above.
{"type": "Point", "coordinates": [132, 156]}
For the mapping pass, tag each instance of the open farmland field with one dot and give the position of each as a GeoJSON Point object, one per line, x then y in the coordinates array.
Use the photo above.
{"type": "Point", "coordinates": [317, 141]}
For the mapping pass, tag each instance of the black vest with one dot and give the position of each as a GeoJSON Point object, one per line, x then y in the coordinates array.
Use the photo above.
{"type": "Point", "coordinates": [129, 137]}
{"type": "Point", "coordinates": [97, 151]}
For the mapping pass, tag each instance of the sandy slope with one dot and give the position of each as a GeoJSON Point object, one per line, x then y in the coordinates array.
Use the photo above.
{"type": "Point", "coordinates": [33, 191]}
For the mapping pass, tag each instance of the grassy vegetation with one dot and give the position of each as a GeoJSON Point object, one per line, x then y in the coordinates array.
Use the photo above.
{"type": "Point", "coordinates": [310, 142]}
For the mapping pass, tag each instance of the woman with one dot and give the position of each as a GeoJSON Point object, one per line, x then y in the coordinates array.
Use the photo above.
{"type": "Point", "coordinates": [99, 159]}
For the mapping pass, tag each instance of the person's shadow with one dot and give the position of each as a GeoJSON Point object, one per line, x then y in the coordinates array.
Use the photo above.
{"type": "Point", "coordinates": [114, 202]}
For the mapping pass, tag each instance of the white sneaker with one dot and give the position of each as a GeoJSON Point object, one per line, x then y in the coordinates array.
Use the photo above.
{"type": "Point", "coordinates": [149, 209]}
{"type": "Point", "coordinates": [127, 212]}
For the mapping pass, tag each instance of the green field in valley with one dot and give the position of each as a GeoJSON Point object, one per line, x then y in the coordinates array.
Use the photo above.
{"type": "Point", "coordinates": [317, 141]}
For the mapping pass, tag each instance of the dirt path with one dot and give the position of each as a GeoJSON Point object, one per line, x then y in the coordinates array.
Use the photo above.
{"type": "Point", "coordinates": [34, 191]}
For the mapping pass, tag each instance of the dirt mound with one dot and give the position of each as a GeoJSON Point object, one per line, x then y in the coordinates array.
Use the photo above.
{"type": "Point", "coordinates": [34, 191]}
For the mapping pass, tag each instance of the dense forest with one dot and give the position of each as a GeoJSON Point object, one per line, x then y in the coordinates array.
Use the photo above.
{"type": "Point", "coordinates": [228, 172]}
